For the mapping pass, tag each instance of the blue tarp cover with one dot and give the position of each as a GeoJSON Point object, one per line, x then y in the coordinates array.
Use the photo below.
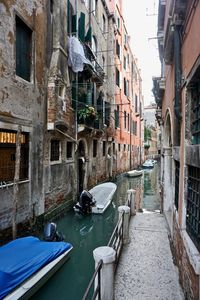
{"type": "Point", "coordinates": [22, 257]}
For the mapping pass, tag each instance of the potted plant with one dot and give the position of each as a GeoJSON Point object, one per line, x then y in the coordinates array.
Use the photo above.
{"type": "Point", "coordinates": [87, 115]}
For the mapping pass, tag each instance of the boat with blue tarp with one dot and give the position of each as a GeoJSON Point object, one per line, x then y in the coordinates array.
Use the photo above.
{"type": "Point", "coordinates": [27, 263]}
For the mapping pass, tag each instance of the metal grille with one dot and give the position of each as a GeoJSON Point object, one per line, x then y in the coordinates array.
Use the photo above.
{"type": "Point", "coordinates": [177, 169]}
{"type": "Point", "coordinates": [193, 205]}
{"type": "Point", "coordinates": [196, 115]}
{"type": "Point", "coordinates": [55, 150]}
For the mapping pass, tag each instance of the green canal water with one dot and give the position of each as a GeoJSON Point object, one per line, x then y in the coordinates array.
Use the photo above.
{"type": "Point", "coordinates": [86, 233]}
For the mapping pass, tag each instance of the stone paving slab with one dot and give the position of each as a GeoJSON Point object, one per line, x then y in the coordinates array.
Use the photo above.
{"type": "Point", "coordinates": [146, 269]}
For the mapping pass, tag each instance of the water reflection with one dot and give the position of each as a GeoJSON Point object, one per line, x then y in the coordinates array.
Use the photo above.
{"type": "Point", "coordinates": [151, 196]}
{"type": "Point", "coordinates": [86, 233]}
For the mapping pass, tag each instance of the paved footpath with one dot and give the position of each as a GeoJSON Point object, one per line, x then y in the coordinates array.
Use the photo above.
{"type": "Point", "coordinates": [146, 269]}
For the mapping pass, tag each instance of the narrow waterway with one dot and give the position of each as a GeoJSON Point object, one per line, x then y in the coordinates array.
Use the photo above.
{"type": "Point", "coordinates": [86, 233]}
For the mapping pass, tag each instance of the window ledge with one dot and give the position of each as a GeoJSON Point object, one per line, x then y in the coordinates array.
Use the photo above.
{"type": "Point", "coordinates": [193, 253]}
{"type": "Point", "coordinates": [5, 185]}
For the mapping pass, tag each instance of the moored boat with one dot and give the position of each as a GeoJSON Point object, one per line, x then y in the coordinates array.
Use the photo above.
{"type": "Point", "coordinates": [148, 164]}
{"type": "Point", "coordinates": [97, 199]}
{"type": "Point", "coordinates": [134, 173]}
{"type": "Point", "coordinates": [27, 263]}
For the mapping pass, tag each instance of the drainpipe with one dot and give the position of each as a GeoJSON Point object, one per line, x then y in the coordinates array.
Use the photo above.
{"type": "Point", "coordinates": [177, 71]}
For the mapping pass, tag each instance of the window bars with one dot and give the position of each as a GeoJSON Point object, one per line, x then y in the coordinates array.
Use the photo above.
{"type": "Point", "coordinates": [193, 205]}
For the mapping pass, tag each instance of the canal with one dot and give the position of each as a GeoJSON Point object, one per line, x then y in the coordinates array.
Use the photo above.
{"type": "Point", "coordinates": [86, 233]}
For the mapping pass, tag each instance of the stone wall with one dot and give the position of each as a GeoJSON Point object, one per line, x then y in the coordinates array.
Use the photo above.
{"type": "Point", "coordinates": [188, 278]}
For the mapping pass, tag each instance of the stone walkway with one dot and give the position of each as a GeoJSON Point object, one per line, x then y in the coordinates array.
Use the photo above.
{"type": "Point", "coordinates": [146, 269]}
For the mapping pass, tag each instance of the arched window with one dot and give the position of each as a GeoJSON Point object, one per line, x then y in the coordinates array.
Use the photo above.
{"type": "Point", "coordinates": [71, 19]}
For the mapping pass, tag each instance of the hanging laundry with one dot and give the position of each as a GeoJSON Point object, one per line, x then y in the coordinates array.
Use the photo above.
{"type": "Point", "coordinates": [76, 58]}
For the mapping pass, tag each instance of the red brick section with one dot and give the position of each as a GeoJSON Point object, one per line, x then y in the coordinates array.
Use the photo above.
{"type": "Point", "coordinates": [189, 280]}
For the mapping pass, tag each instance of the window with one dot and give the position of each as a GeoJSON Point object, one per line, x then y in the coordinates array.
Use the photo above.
{"type": "Point", "coordinates": [125, 92]}
{"type": "Point", "coordinates": [61, 90]}
{"type": "Point", "coordinates": [94, 148]}
{"type": "Point", "coordinates": [23, 49]}
{"type": "Point", "coordinates": [8, 155]}
{"type": "Point", "coordinates": [118, 49]}
{"type": "Point", "coordinates": [193, 205]}
{"type": "Point", "coordinates": [69, 150]}
{"type": "Point", "coordinates": [107, 113]}
{"type": "Point", "coordinates": [128, 116]}
{"type": "Point", "coordinates": [103, 23]}
{"type": "Point", "coordinates": [119, 147]}
{"type": "Point", "coordinates": [118, 23]}
{"type": "Point", "coordinates": [104, 148]}
{"type": "Point", "coordinates": [71, 19]}
{"type": "Point", "coordinates": [124, 147]}
{"type": "Point", "coordinates": [55, 150]}
{"type": "Point", "coordinates": [51, 7]}
{"type": "Point", "coordinates": [124, 62]}
{"type": "Point", "coordinates": [125, 119]}
{"type": "Point", "coordinates": [117, 117]}
{"type": "Point", "coordinates": [94, 44]}
{"type": "Point", "coordinates": [196, 114]}
{"type": "Point", "coordinates": [117, 77]}
{"type": "Point", "coordinates": [127, 88]}
{"type": "Point", "coordinates": [103, 63]}
{"type": "Point", "coordinates": [125, 39]}
{"type": "Point", "coordinates": [94, 7]}
{"type": "Point", "coordinates": [113, 147]}
{"type": "Point", "coordinates": [136, 103]}
{"type": "Point", "coordinates": [177, 168]}
{"type": "Point", "coordinates": [134, 127]}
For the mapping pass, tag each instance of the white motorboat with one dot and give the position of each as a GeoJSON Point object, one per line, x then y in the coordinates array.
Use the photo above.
{"type": "Point", "coordinates": [148, 164]}
{"type": "Point", "coordinates": [134, 173]}
{"type": "Point", "coordinates": [97, 199]}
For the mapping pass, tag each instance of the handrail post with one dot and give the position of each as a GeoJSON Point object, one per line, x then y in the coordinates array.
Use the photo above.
{"type": "Point", "coordinates": [126, 210]}
{"type": "Point", "coordinates": [107, 255]}
{"type": "Point", "coordinates": [131, 199]}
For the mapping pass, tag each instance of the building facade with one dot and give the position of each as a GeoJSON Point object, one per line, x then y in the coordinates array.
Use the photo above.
{"type": "Point", "coordinates": [152, 136]}
{"type": "Point", "coordinates": [129, 126]}
{"type": "Point", "coordinates": [177, 95]}
{"type": "Point", "coordinates": [23, 110]}
{"type": "Point", "coordinates": [68, 119]}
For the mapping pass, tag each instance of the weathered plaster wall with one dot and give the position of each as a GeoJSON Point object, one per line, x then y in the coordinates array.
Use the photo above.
{"type": "Point", "coordinates": [23, 103]}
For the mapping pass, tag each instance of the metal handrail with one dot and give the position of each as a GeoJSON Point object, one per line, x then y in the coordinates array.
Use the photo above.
{"type": "Point", "coordinates": [97, 291]}
{"type": "Point", "coordinates": [116, 242]}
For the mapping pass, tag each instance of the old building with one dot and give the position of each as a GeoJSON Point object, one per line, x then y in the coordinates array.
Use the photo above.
{"type": "Point", "coordinates": [128, 144]}
{"type": "Point", "coordinates": [152, 136]}
{"type": "Point", "coordinates": [22, 110]}
{"type": "Point", "coordinates": [68, 119]}
{"type": "Point", "coordinates": [177, 95]}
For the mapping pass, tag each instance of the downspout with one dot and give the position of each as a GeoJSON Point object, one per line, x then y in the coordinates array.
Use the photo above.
{"type": "Point", "coordinates": [177, 72]}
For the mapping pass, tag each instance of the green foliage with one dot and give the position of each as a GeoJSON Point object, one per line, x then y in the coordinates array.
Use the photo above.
{"type": "Point", "coordinates": [147, 134]}
{"type": "Point", "coordinates": [88, 112]}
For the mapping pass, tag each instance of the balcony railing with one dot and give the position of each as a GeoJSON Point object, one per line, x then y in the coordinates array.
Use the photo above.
{"type": "Point", "coordinates": [95, 69]}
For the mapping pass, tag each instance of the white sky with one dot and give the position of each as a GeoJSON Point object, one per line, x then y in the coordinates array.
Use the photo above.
{"type": "Point", "coordinates": [141, 24]}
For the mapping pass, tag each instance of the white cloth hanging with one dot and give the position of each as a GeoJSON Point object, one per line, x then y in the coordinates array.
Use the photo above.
{"type": "Point", "coordinates": [76, 57]}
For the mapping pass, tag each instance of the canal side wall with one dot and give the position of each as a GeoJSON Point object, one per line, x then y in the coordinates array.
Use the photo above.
{"type": "Point", "coordinates": [187, 275]}
{"type": "Point", "coordinates": [180, 140]}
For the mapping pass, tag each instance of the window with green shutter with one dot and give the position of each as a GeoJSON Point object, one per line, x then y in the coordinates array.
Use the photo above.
{"type": "Point", "coordinates": [23, 49]}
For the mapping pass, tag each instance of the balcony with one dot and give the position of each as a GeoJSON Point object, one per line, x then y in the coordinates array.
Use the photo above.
{"type": "Point", "coordinates": [94, 69]}
{"type": "Point", "coordinates": [59, 117]}
{"type": "Point", "coordinates": [158, 90]}
{"type": "Point", "coordinates": [158, 115]}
